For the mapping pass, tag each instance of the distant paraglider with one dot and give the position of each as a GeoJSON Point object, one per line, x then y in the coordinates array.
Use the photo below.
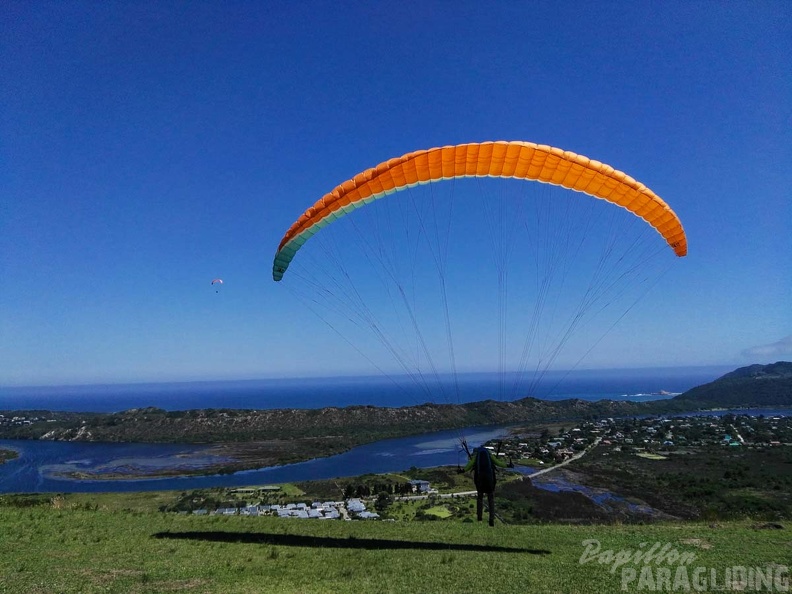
{"type": "Point", "coordinates": [217, 281]}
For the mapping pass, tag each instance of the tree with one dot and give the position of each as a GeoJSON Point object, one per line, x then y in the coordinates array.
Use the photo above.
{"type": "Point", "coordinates": [383, 501]}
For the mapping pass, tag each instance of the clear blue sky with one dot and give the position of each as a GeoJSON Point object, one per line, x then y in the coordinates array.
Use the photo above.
{"type": "Point", "coordinates": [149, 147]}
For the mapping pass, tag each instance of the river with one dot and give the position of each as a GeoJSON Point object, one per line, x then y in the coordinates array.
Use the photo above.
{"type": "Point", "coordinates": [39, 463]}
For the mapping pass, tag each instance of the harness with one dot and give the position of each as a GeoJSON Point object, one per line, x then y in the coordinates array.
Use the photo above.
{"type": "Point", "coordinates": [484, 471]}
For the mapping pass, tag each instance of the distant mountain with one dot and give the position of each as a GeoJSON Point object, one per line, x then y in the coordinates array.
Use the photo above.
{"type": "Point", "coordinates": [755, 385]}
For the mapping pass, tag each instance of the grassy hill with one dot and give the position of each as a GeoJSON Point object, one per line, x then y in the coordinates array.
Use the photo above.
{"type": "Point", "coordinates": [116, 543]}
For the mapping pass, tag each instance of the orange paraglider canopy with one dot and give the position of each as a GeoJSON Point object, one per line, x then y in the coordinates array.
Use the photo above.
{"type": "Point", "coordinates": [514, 159]}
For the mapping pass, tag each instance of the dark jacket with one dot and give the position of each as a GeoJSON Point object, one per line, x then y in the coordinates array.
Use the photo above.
{"type": "Point", "coordinates": [483, 463]}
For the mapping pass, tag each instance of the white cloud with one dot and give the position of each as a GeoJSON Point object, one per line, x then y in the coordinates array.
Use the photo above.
{"type": "Point", "coordinates": [780, 348]}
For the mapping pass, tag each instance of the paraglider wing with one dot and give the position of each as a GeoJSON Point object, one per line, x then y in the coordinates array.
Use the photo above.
{"type": "Point", "coordinates": [504, 159]}
{"type": "Point", "coordinates": [217, 281]}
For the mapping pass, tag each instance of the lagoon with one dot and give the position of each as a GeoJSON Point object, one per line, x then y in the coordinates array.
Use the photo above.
{"type": "Point", "coordinates": [39, 462]}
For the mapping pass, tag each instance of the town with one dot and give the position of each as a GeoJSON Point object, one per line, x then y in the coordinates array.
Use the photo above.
{"type": "Point", "coordinates": [256, 501]}
{"type": "Point", "coordinates": [18, 421]}
{"type": "Point", "coordinates": [645, 436]}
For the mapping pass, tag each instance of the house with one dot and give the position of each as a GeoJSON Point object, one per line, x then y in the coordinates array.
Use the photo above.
{"type": "Point", "coordinates": [355, 505]}
{"type": "Point", "coordinates": [420, 486]}
{"type": "Point", "coordinates": [564, 453]}
{"type": "Point", "coordinates": [368, 515]}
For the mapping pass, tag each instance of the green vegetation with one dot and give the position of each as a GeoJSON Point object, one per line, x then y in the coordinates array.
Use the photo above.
{"type": "Point", "coordinates": [705, 482]}
{"type": "Point", "coordinates": [439, 511]}
{"type": "Point", "coordinates": [445, 479]}
{"type": "Point", "coordinates": [650, 456]}
{"type": "Point", "coordinates": [755, 385]}
{"type": "Point", "coordinates": [327, 429]}
{"type": "Point", "coordinates": [6, 455]}
{"type": "Point", "coordinates": [92, 544]}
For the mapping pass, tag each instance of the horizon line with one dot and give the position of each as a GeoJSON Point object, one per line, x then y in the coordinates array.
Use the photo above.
{"type": "Point", "coordinates": [326, 376]}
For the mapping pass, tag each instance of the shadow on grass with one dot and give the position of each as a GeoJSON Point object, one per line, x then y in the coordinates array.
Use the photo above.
{"type": "Point", "coordinates": [298, 540]}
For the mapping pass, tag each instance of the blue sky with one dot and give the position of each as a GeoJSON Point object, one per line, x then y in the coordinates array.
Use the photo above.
{"type": "Point", "coordinates": [147, 148]}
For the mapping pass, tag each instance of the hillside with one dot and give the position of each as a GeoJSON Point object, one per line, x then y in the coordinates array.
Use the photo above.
{"type": "Point", "coordinates": [754, 385]}
{"type": "Point", "coordinates": [116, 543]}
{"type": "Point", "coordinates": [355, 423]}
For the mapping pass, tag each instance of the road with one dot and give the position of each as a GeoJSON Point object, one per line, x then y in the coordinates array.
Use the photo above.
{"type": "Point", "coordinates": [568, 460]}
{"type": "Point", "coordinates": [737, 433]}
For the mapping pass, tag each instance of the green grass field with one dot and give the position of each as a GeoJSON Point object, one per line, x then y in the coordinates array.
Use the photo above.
{"type": "Point", "coordinates": [117, 543]}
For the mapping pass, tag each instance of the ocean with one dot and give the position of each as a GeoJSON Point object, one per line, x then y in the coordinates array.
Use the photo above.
{"type": "Point", "coordinates": [394, 391]}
